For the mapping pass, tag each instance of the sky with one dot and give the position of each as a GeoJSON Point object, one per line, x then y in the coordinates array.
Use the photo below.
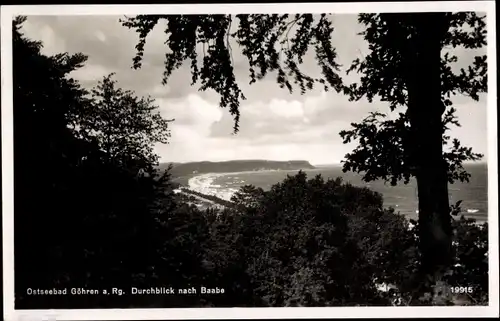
{"type": "Point", "coordinates": [275, 124]}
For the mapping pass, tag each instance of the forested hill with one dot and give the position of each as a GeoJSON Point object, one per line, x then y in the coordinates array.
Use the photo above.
{"type": "Point", "coordinates": [181, 169]}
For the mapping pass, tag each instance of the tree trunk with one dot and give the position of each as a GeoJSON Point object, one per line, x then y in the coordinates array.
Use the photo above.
{"type": "Point", "coordinates": [425, 109]}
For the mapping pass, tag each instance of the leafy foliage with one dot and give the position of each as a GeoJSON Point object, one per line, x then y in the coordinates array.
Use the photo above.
{"type": "Point", "coordinates": [382, 152]}
{"type": "Point", "coordinates": [384, 145]}
{"type": "Point", "coordinates": [117, 121]}
{"type": "Point", "coordinates": [42, 99]}
{"type": "Point", "coordinates": [471, 259]}
{"type": "Point", "coordinates": [315, 243]}
{"type": "Point", "coordinates": [391, 39]}
{"type": "Point", "coordinates": [409, 68]}
{"type": "Point", "coordinates": [271, 43]}
{"type": "Point", "coordinates": [90, 217]}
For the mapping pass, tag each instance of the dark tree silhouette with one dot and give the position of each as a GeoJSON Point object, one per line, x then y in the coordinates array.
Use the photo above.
{"type": "Point", "coordinates": [83, 217]}
{"type": "Point", "coordinates": [125, 127]}
{"type": "Point", "coordinates": [405, 68]}
{"type": "Point", "coordinates": [45, 155]}
{"type": "Point", "coordinates": [264, 40]}
{"type": "Point", "coordinates": [408, 68]}
{"type": "Point", "coordinates": [317, 242]}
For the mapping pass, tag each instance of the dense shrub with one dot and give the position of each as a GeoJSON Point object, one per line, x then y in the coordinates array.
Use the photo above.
{"type": "Point", "coordinates": [471, 261]}
{"type": "Point", "coordinates": [315, 242]}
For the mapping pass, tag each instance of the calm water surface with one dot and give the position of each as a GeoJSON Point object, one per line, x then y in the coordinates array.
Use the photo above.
{"type": "Point", "coordinates": [402, 197]}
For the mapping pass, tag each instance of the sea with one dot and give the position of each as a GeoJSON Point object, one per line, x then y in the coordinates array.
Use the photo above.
{"type": "Point", "coordinates": [403, 198]}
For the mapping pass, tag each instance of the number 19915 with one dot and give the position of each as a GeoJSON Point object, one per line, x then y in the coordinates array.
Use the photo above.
{"type": "Point", "coordinates": [462, 289]}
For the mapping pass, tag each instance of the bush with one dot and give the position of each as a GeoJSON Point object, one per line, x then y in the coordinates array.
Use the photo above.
{"type": "Point", "coordinates": [315, 243]}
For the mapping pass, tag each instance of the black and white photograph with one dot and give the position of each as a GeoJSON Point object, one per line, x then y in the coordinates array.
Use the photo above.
{"type": "Point", "coordinates": [197, 158]}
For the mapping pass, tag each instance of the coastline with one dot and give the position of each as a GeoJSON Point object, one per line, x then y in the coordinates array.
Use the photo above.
{"type": "Point", "coordinates": [204, 184]}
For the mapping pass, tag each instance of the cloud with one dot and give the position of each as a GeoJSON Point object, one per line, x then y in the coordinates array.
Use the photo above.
{"type": "Point", "coordinates": [90, 73]}
{"type": "Point", "coordinates": [101, 36]}
{"type": "Point", "coordinates": [191, 110]}
{"type": "Point", "coordinates": [274, 124]}
{"type": "Point", "coordinates": [52, 43]}
{"type": "Point", "coordinates": [474, 130]}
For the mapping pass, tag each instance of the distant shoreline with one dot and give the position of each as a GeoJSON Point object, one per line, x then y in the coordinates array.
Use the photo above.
{"type": "Point", "coordinates": [184, 179]}
{"type": "Point", "coordinates": [209, 200]}
{"type": "Point", "coordinates": [206, 179]}
{"type": "Point", "coordinates": [234, 166]}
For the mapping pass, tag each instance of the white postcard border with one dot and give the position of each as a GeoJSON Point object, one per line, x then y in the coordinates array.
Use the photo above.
{"type": "Point", "coordinates": [8, 12]}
